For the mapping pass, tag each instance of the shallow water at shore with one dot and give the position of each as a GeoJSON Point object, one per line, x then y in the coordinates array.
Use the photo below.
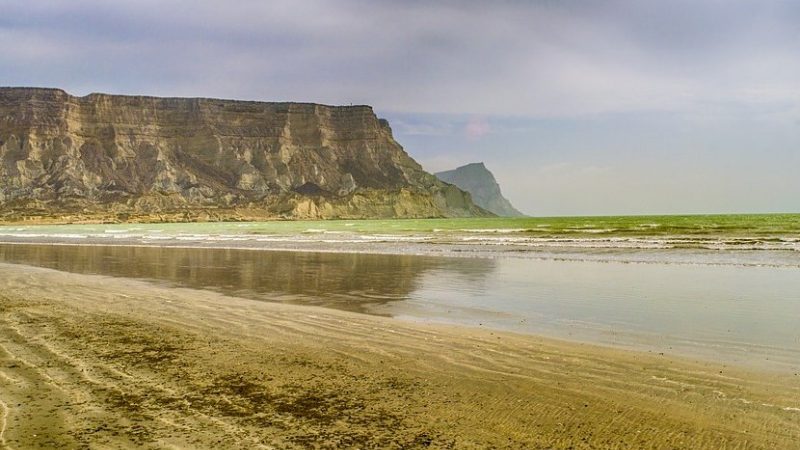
{"type": "Point", "coordinates": [744, 315]}
{"type": "Point", "coordinates": [754, 240]}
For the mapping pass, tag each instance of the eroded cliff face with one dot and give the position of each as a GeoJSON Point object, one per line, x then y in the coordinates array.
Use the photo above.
{"type": "Point", "coordinates": [112, 157]}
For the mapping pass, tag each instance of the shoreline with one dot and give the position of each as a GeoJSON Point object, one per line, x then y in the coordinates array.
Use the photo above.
{"type": "Point", "coordinates": [780, 259]}
{"type": "Point", "coordinates": [289, 376]}
{"type": "Point", "coordinates": [743, 353]}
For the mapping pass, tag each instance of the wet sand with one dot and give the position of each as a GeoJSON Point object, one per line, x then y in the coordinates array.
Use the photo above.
{"type": "Point", "coordinates": [100, 362]}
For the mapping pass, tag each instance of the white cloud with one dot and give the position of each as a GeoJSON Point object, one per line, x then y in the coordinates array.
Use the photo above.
{"type": "Point", "coordinates": [542, 59]}
{"type": "Point", "coordinates": [708, 85]}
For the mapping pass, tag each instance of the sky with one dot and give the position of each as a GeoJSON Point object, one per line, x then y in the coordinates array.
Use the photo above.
{"type": "Point", "coordinates": [579, 107]}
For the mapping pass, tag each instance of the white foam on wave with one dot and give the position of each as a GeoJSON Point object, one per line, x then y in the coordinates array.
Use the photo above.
{"type": "Point", "coordinates": [393, 238]}
{"type": "Point", "coordinates": [494, 230]}
{"type": "Point", "coordinates": [339, 241]}
{"type": "Point", "coordinates": [492, 239]}
{"type": "Point", "coordinates": [626, 242]}
{"type": "Point", "coordinates": [323, 231]}
{"type": "Point", "coordinates": [225, 238]}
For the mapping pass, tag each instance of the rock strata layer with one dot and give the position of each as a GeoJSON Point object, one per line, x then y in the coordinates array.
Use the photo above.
{"type": "Point", "coordinates": [112, 157]}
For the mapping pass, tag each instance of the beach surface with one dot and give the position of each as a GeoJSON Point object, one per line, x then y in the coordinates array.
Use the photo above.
{"type": "Point", "coordinates": [89, 361]}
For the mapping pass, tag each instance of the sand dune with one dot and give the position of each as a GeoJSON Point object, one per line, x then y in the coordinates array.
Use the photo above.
{"type": "Point", "coordinates": [89, 361]}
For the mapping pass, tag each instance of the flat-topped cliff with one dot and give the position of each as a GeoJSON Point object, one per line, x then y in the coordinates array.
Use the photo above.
{"type": "Point", "coordinates": [113, 157]}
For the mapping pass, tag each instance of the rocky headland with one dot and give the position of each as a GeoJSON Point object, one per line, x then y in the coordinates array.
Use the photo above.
{"type": "Point", "coordinates": [476, 179]}
{"type": "Point", "coordinates": [133, 158]}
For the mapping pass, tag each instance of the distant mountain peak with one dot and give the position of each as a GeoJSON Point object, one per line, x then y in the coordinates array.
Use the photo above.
{"type": "Point", "coordinates": [476, 179]}
{"type": "Point", "coordinates": [475, 164]}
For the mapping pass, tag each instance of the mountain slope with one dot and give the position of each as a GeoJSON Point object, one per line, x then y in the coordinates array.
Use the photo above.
{"type": "Point", "coordinates": [476, 179]}
{"type": "Point", "coordinates": [112, 157]}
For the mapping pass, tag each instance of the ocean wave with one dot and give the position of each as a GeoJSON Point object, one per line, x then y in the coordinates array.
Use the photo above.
{"type": "Point", "coordinates": [494, 230]}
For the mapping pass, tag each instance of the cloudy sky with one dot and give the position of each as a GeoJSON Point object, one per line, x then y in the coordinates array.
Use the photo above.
{"type": "Point", "coordinates": [579, 107]}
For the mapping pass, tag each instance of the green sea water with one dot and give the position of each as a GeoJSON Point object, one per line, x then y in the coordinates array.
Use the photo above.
{"type": "Point", "coordinates": [733, 225]}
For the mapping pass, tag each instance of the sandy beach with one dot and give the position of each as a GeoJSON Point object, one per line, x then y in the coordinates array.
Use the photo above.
{"type": "Point", "coordinates": [369, 225]}
{"type": "Point", "coordinates": [97, 362]}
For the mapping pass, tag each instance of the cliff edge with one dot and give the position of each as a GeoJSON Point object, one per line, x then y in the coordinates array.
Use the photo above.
{"type": "Point", "coordinates": [113, 157]}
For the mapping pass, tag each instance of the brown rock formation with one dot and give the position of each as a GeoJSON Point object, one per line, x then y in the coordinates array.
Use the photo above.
{"type": "Point", "coordinates": [110, 157]}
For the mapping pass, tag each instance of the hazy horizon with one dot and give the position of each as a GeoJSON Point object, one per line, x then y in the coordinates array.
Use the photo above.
{"type": "Point", "coordinates": [578, 108]}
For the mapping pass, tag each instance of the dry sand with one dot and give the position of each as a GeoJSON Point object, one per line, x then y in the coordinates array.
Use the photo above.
{"type": "Point", "coordinates": [99, 362]}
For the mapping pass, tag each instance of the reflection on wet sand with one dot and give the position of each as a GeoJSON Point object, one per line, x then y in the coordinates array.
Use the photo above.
{"type": "Point", "coordinates": [352, 282]}
{"type": "Point", "coordinates": [735, 314]}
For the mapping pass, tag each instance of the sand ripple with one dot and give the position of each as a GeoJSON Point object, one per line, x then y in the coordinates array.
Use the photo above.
{"type": "Point", "coordinates": [89, 361]}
